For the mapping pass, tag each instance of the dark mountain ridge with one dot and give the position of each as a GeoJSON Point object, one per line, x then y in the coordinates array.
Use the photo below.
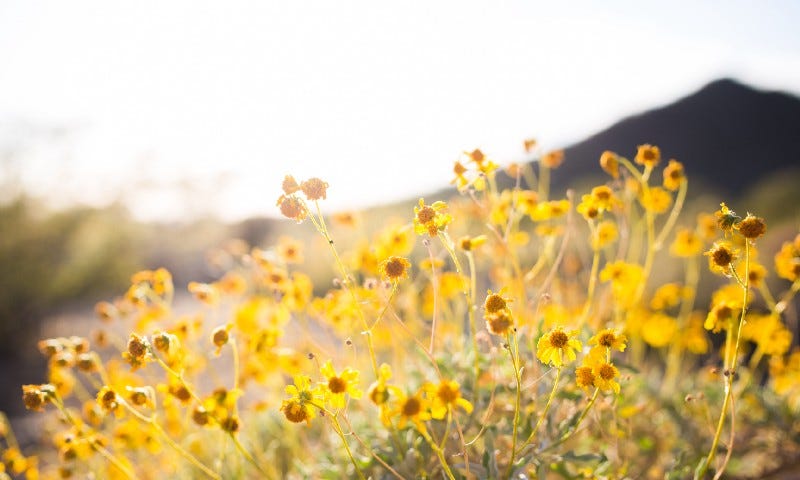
{"type": "Point", "coordinates": [726, 134]}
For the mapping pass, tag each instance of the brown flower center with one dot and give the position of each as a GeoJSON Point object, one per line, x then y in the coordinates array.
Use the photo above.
{"type": "Point", "coordinates": [337, 385]}
{"type": "Point", "coordinates": [426, 215]}
{"type": "Point", "coordinates": [559, 339]}
{"type": "Point", "coordinates": [411, 407]}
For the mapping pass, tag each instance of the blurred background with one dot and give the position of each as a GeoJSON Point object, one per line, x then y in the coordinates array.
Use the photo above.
{"type": "Point", "coordinates": [144, 134]}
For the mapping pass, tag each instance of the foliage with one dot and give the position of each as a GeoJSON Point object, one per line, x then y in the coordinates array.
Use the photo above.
{"type": "Point", "coordinates": [575, 363]}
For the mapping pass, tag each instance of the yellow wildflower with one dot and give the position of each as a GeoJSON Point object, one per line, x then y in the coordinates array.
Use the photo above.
{"type": "Point", "coordinates": [431, 219]}
{"type": "Point", "coordinates": [604, 234]}
{"type": "Point", "coordinates": [659, 329]}
{"type": "Point", "coordinates": [655, 199]}
{"type": "Point", "coordinates": [720, 257]}
{"type": "Point", "coordinates": [609, 339]}
{"type": "Point", "coordinates": [304, 399]}
{"type": "Point", "coordinates": [339, 385]}
{"type": "Point", "coordinates": [610, 163]}
{"type": "Point", "coordinates": [673, 175]}
{"type": "Point", "coordinates": [394, 268]}
{"type": "Point", "coordinates": [787, 260]}
{"type": "Point", "coordinates": [686, 244]}
{"type": "Point", "coordinates": [648, 155]}
{"type": "Point", "coordinates": [554, 345]}
{"type": "Point", "coordinates": [410, 408]}
{"type": "Point", "coordinates": [445, 397]}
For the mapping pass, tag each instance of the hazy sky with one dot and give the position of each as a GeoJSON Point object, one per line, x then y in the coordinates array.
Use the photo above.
{"type": "Point", "coordinates": [158, 99]}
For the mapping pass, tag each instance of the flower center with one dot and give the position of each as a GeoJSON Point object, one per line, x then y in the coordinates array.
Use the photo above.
{"type": "Point", "coordinates": [337, 385]}
{"type": "Point", "coordinates": [559, 339]}
{"type": "Point", "coordinates": [411, 407]}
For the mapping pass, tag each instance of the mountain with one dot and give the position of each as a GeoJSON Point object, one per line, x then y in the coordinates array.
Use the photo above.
{"type": "Point", "coordinates": [726, 134]}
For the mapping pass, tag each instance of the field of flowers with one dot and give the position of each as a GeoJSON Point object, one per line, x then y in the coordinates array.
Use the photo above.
{"type": "Point", "coordinates": [503, 333]}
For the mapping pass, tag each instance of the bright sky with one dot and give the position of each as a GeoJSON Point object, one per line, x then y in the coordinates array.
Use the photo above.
{"type": "Point", "coordinates": [161, 99]}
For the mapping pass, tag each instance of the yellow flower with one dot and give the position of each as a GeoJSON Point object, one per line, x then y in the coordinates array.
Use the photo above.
{"type": "Point", "coordinates": [337, 386]}
{"type": "Point", "coordinates": [610, 163]}
{"type": "Point", "coordinates": [787, 260]}
{"type": "Point", "coordinates": [204, 292]}
{"type": "Point", "coordinates": [604, 234]}
{"type": "Point", "coordinates": [292, 207]}
{"type": "Point", "coordinates": [768, 332]}
{"type": "Point", "coordinates": [655, 199]}
{"type": "Point", "coordinates": [726, 218]}
{"type": "Point", "coordinates": [431, 219]}
{"type": "Point", "coordinates": [395, 240]}
{"type": "Point", "coordinates": [554, 345]}
{"type": "Point", "coordinates": [659, 329]}
{"type": "Point", "coordinates": [496, 302]}
{"type": "Point", "coordinates": [549, 210]}
{"type": "Point", "coordinates": [394, 268]}
{"type": "Point", "coordinates": [304, 399]}
{"type": "Point", "coordinates": [444, 397]}
{"type": "Point", "coordinates": [410, 408]}
{"type": "Point", "coordinates": [584, 377]}
{"type": "Point", "coordinates": [553, 159]}
{"type": "Point", "coordinates": [605, 374]}
{"type": "Point", "coordinates": [609, 339]}
{"type": "Point", "coordinates": [687, 244]}
{"type": "Point", "coordinates": [668, 295]}
{"type": "Point", "coordinates": [314, 189]}
{"type": "Point", "coordinates": [469, 244]}
{"type": "Point", "coordinates": [289, 250]}
{"type": "Point", "coordinates": [625, 278]}
{"type": "Point", "coordinates": [693, 337]}
{"type": "Point", "coordinates": [648, 155]}
{"type": "Point", "coordinates": [720, 257]}
{"type": "Point", "coordinates": [673, 175]}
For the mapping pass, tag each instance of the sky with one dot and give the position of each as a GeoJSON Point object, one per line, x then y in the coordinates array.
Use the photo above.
{"type": "Point", "coordinates": [181, 109]}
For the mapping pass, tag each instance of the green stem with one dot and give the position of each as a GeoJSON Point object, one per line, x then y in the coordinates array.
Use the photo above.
{"type": "Point", "coordinates": [546, 409]}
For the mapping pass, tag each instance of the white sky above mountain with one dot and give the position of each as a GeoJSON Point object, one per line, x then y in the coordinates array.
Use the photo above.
{"type": "Point", "coordinates": [185, 108]}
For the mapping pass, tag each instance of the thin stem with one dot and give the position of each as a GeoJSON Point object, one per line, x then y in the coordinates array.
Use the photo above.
{"type": "Point", "coordinates": [730, 371]}
{"type": "Point", "coordinates": [323, 230]}
{"type": "Point", "coordinates": [338, 429]}
{"type": "Point", "coordinates": [574, 428]}
{"type": "Point", "coordinates": [546, 409]}
{"type": "Point", "coordinates": [368, 449]}
{"type": "Point", "coordinates": [673, 215]}
{"type": "Point", "coordinates": [513, 350]}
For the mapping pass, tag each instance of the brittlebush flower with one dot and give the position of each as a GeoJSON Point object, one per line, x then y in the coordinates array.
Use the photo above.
{"type": "Point", "coordinates": [292, 207]}
{"type": "Point", "coordinates": [610, 163]}
{"type": "Point", "coordinates": [314, 189]}
{"type": "Point", "coordinates": [609, 339]}
{"type": "Point", "coordinates": [557, 344]}
{"type": "Point", "coordinates": [584, 377]}
{"type": "Point", "coordinates": [394, 268]}
{"type": "Point", "coordinates": [410, 408]}
{"type": "Point", "coordinates": [726, 218]}
{"type": "Point", "coordinates": [787, 260]}
{"type": "Point", "coordinates": [752, 227]}
{"type": "Point", "coordinates": [339, 385]}
{"type": "Point", "coordinates": [655, 199]}
{"type": "Point", "coordinates": [604, 234]}
{"type": "Point", "coordinates": [431, 219]}
{"type": "Point", "coordinates": [648, 155]}
{"type": "Point", "coordinates": [686, 244]}
{"type": "Point", "coordinates": [673, 175]}
{"type": "Point", "coordinates": [720, 257]}
{"type": "Point", "coordinates": [553, 159]}
{"type": "Point", "coordinates": [605, 374]}
{"type": "Point", "coordinates": [303, 402]}
{"type": "Point", "coordinates": [659, 329]}
{"type": "Point", "coordinates": [445, 396]}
